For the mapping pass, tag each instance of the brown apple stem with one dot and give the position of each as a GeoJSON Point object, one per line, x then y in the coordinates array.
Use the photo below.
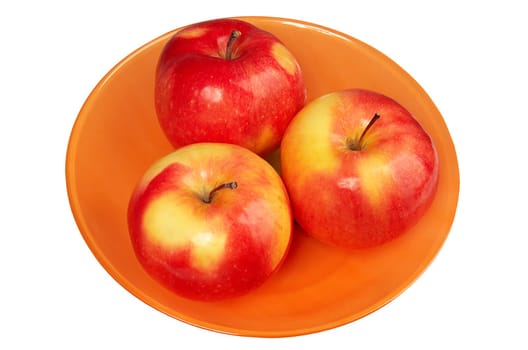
{"type": "Point", "coordinates": [234, 34]}
{"type": "Point", "coordinates": [357, 145]}
{"type": "Point", "coordinates": [231, 185]}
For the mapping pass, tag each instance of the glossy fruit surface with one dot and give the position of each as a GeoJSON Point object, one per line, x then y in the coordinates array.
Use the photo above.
{"type": "Point", "coordinates": [210, 221]}
{"type": "Point", "coordinates": [212, 86]}
{"type": "Point", "coordinates": [359, 168]}
{"type": "Point", "coordinates": [116, 137]}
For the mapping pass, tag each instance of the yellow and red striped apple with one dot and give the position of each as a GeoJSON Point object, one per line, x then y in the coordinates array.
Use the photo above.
{"type": "Point", "coordinates": [210, 221]}
{"type": "Point", "coordinates": [225, 80]}
{"type": "Point", "coordinates": [359, 168]}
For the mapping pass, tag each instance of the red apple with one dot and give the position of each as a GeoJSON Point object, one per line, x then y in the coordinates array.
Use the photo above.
{"type": "Point", "coordinates": [210, 221]}
{"type": "Point", "coordinates": [227, 81]}
{"type": "Point", "coordinates": [359, 168]}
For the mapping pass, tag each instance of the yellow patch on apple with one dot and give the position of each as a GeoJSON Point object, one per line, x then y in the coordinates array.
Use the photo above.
{"type": "Point", "coordinates": [192, 33]}
{"type": "Point", "coordinates": [262, 141]}
{"type": "Point", "coordinates": [207, 249]}
{"type": "Point", "coordinates": [169, 225]}
{"type": "Point", "coordinates": [284, 58]}
{"type": "Point", "coordinates": [157, 168]}
{"type": "Point", "coordinates": [314, 123]}
{"type": "Point", "coordinates": [186, 159]}
{"type": "Point", "coordinates": [281, 224]}
{"type": "Point", "coordinates": [216, 152]}
{"type": "Point", "coordinates": [375, 175]}
{"type": "Point", "coordinates": [281, 244]}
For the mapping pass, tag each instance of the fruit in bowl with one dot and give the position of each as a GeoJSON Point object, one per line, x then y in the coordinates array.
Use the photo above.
{"type": "Point", "coordinates": [228, 81]}
{"type": "Point", "coordinates": [114, 139]}
{"type": "Point", "coordinates": [359, 168]}
{"type": "Point", "coordinates": [210, 221]}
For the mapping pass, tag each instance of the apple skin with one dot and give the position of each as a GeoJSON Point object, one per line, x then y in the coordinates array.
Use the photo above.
{"type": "Point", "coordinates": [248, 99]}
{"type": "Point", "coordinates": [357, 199]}
{"type": "Point", "coordinates": [210, 250]}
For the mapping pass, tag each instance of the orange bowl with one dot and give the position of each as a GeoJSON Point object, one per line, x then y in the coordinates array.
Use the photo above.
{"type": "Point", "coordinates": [116, 137]}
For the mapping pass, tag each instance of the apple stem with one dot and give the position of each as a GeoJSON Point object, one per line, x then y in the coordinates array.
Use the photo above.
{"type": "Point", "coordinates": [234, 34]}
{"type": "Point", "coordinates": [356, 146]}
{"type": "Point", "coordinates": [231, 185]}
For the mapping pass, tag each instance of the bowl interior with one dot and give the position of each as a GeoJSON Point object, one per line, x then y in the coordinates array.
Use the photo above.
{"type": "Point", "coordinates": [116, 137]}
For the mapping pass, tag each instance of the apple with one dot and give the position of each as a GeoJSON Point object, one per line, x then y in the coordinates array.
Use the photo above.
{"type": "Point", "coordinates": [227, 81]}
{"type": "Point", "coordinates": [210, 221]}
{"type": "Point", "coordinates": [360, 170]}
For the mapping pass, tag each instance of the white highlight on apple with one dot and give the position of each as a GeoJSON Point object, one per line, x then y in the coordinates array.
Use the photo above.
{"type": "Point", "coordinates": [350, 183]}
{"type": "Point", "coordinates": [212, 94]}
{"type": "Point", "coordinates": [202, 239]}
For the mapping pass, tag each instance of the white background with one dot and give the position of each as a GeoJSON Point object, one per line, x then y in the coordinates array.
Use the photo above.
{"type": "Point", "coordinates": [471, 59]}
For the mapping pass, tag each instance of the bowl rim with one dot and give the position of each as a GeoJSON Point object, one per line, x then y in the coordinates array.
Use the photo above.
{"type": "Point", "coordinates": [83, 227]}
